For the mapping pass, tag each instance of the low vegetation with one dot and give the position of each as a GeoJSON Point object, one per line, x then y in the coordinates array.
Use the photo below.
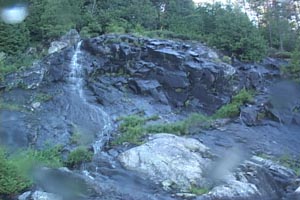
{"type": "Point", "coordinates": [15, 169]}
{"type": "Point", "coordinates": [290, 163]}
{"type": "Point", "coordinates": [232, 109]}
{"type": "Point", "coordinates": [42, 97]}
{"type": "Point", "coordinates": [11, 107]}
{"type": "Point", "coordinates": [198, 191]}
{"type": "Point", "coordinates": [10, 64]}
{"type": "Point", "coordinates": [293, 69]}
{"type": "Point", "coordinates": [134, 127]}
{"type": "Point", "coordinates": [79, 156]}
{"type": "Point", "coordinates": [11, 180]}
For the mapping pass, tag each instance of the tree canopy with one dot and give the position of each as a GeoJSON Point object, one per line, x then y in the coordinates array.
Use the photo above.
{"type": "Point", "coordinates": [226, 27]}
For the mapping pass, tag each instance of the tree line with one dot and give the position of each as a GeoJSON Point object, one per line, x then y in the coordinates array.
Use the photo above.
{"type": "Point", "coordinates": [226, 27]}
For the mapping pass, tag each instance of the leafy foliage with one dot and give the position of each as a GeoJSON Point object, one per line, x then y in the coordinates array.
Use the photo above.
{"type": "Point", "coordinates": [15, 170]}
{"type": "Point", "coordinates": [225, 27]}
{"type": "Point", "coordinates": [11, 181]}
{"type": "Point", "coordinates": [232, 109]}
{"type": "Point", "coordinates": [10, 106]}
{"type": "Point", "coordinates": [198, 191]}
{"type": "Point", "coordinates": [14, 39]}
{"type": "Point", "coordinates": [134, 127]}
{"type": "Point", "coordinates": [293, 69]}
{"type": "Point", "coordinates": [78, 156]}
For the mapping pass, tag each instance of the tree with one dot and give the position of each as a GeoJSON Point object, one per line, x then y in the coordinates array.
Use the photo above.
{"type": "Point", "coordinates": [224, 27]}
{"type": "Point", "coordinates": [14, 39]}
{"type": "Point", "coordinates": [279, 21]}
{"type": "Point", "coordinates": [293, 69]}
{"type": "Point", "coordinates": [174, 11]}
{"type": "Point", "coordinates": [49, 19]}
{"type": "Point", "coordinates": [235, 33]}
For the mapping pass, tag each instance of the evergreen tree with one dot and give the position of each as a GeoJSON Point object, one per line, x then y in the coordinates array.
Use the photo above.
{"type": "Point", "coordinates": [235, 33]}
{"type": "Point", "coordinates": [293, 69]}
{"type": "Point", "coordinates": [14, 39]}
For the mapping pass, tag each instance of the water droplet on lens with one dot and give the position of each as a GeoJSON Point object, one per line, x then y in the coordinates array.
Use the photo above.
{"type": "Point", "coordinates": [14, 14]}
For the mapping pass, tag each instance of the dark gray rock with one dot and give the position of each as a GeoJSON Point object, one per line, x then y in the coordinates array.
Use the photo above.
{"type": "Point", "coordinates": [169, 63]}
{"type": "Point", "coordinates": [249, 115]}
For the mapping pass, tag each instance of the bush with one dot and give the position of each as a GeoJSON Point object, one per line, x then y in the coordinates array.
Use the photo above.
{"type": "Point", "coordinates": [79, 156]}
{"type": "Point", "coordinates": [15, 170]}
{"type": "Point", "coordinates": [134, 127]}
{"type": "Point", "coordinates": [179, 128]}
{"type": "Point", "coordinates": [117, 27]}
{"type": "Point", "coordinates": [243, 96]}
{"type": "Point", "coordinates": [11, 180]}
{"type": "Point", "coordinates": [233, 108]}
{"type": "Point", "coordinates": [229, 110]}
{"type": "Point", "coordinates": [131, 128]}
{"type": "Point", "coordinates": [198, 191]}
{"type": "Point", "coordinates": [293, 69]}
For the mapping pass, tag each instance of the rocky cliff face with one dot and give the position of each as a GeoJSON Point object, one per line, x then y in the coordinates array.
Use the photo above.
{"type": "Point", "coordinates": [172, 73]}
{"type": "Point", "coordinates": [84, 89]}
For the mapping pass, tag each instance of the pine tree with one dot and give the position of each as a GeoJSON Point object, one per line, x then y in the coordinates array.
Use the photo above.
{"type": "Point", "coordinates": [14, 39]}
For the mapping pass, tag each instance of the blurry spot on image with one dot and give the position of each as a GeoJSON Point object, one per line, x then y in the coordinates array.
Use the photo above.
{"type": "Point", "coordinates": [13, 13]}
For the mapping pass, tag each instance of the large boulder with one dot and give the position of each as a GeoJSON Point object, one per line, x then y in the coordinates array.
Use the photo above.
{"type": "Point", "coordinates": [169, 160]}
{"type": "Point", "coordinates": [256, 178]}
{"type": "Point", "coordinates": [234, 189]}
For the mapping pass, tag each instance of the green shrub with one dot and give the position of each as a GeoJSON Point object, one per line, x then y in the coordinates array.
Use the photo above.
{"type": "Point", "coordinates": [11, 107]}
{"type": "Point", "coordinates": [42, 97]}
{"type": "Point", "coordinates": [198, 191]}
{"type": "Point", "coordinates": [28, 159]}
{"type": "Point", "coordinates": [131, 121]}
{"type": "Point", "coordinates": [229, 110]}
{"type": "Point", "coordinates": [233, 108]}
{"type": "Point", "coordinates": [79, 156]}
{"type": "Point", "coordinates": [131, 129]}
{"type": "Point", "coordinates": [289, 162]}
{"type": "Point", "coordinates": [11, 64]}
{"type": "Point", "coordinates": [11, 180]}
{"type": "Point", "coordinates": [116, 27]}
{"type": "Point", "coordinates": [243, 96]}
{"type": "Point", "coordinates": [15, 170]}
{"type": "Point", "coordinates": [179, 128]}
{"type": "Point", "coordinates": [134, 127]}
{"type": "Point", "coordinates": [293, 69]}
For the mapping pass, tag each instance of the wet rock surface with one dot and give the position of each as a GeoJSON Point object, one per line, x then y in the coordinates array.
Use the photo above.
{"type": "Point", "coordinates": [84, 89]}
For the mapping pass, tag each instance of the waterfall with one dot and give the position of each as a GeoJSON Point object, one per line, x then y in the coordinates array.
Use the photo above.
{"type": "Point", "coordinates": [76, 75]}
{"type": "Point", "coordinates": [96, 114]}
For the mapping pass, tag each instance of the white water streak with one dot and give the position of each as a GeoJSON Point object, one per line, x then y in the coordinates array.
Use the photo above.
{"type": "Point", "coordinates": [76, 79]}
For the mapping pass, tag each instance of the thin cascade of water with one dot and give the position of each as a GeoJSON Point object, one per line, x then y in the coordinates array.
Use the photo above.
{"type": "Point", "coordinates": [76, 75]}
{"type": "Point", "coordinates": [76, 80]}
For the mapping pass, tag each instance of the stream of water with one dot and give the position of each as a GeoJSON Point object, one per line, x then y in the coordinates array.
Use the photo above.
{"type": "Point", "coordinates": [96, 115]}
